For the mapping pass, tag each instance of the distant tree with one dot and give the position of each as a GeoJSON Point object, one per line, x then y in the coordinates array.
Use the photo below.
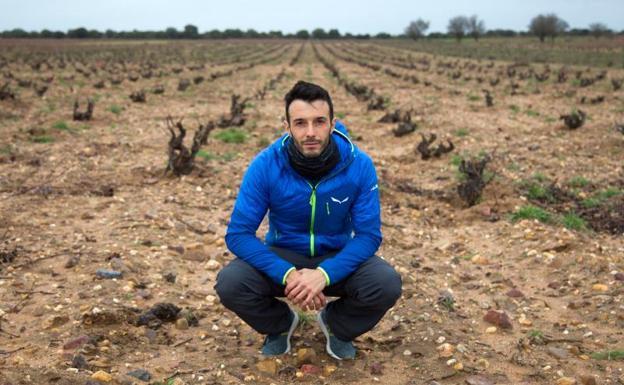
{"type": "Point", "coordinates": [276, 34]}
{"type": "Point", "coordinates": [78, 33]}
{"type": "Point", "coordinates": [252, 33]}
{"type": "Point", "coordinates": [501, 32]}
{"type": "Point", "coordinates": [302, 34]}
{"type": "Point", "coordinates": [547, 25]}
{"type": "Point", "coordinates": [233, 33]}
{"type": "Point", "coordinates": [213, 34]}
{"type": "Point", "coordinates": [319, 33]}
{"type": "Point", "coordinates": [190, 32]}
{"type": "Point", "coordinates": [383, 35]}
{"type": "Point", "coordinates": [458, 26]}
{"type": "Point", "coordinates": [171, 33]}
{"type": "Point", "coordinates": [333, 34]}
{"type": "Point", "coordinates": [416, 29]}
{"type": "Point", "coordinates": [476, 27]}
{"type": "Point", "coordinates": [599, 29]}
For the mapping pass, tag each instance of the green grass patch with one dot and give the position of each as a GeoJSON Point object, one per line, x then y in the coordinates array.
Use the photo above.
{"type": "Point", "coordinates": [461, 132]}
{"type": "Point", "coordinates": [572, 221]}
{"type": "Point", "coordinates": [532, 113]}
{"type": "Point", "coordinates": [340, 115]}
{"type": "Point", "coordinates": [473, 97]}
{"type": "Point", "coordinates": [514, 108]}
{"type": "Point", "coordinates": [599, 197]}
{"type": "Point", "coordinates": [531, 212]}
{"type": "Point", "coordinates": [7, 149]}
{"type": "Point", "coordinates": [609, 355]}
{"type": "Point", "coordinates": [42, 139]}
{"type": "Point", "coordinates": [115, 109]}
{"type": "Point", "coordinates": [232, 135]}
{"type": "Point", "coordinates": [205, 155]}
{"type": "Point", "coordinates": [578, 182]}
{"type": "Point", "coordinates": [61, 125]}
{"type": "Point", "coordinates": [456, 160]}
{"type": "Point", "coordinates": [591, 202]}
{"type": "Point", "coordinates": [607, 193]}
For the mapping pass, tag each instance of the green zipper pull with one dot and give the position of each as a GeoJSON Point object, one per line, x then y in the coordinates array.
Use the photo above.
{"type": "Point", "coordinates": [313, 204]}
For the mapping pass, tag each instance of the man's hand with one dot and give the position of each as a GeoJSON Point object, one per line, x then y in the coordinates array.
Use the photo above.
{"type": "Point", "coordinates": [305, 288]}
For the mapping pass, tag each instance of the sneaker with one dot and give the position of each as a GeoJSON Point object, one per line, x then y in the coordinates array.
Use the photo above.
{"type": "Point", "coordinates": [336, 348]}
{"type": "Point", "coordinates": [276, 344]}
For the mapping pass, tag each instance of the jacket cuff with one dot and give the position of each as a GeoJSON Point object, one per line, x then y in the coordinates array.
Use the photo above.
{"type": "Point", "coordinates": [327, 281]}
{"type": "Point", "coordinates": [286, 275]}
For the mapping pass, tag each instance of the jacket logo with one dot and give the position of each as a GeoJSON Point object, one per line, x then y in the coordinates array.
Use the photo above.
{"type": "Point", "coordinates": [339, 201]}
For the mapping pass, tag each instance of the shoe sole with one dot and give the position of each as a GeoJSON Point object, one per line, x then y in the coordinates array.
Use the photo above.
{"type": "Point", "coordinates": [326, 332]}
{"type": "Point", "coordinates": [293, 326]}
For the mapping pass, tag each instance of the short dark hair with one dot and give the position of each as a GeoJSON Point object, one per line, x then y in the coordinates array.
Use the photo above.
{"type": "Point", "coordinates": [308, 92]}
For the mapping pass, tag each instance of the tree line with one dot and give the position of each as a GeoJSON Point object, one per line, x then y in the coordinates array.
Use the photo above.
{"type": "Point", "coordinates": [542, 26]}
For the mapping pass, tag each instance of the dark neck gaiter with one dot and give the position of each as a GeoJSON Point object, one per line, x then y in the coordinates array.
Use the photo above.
{"type": "Point", "coordinates": [313, 168]}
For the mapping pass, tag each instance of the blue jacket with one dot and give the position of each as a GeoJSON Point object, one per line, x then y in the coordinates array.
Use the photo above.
{"type": "Point", "coordinates": [341, 212]}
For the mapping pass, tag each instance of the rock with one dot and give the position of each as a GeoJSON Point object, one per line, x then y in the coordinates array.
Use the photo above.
{"type": "Point", "coordinates": [566, 381]}
{"type": "Point", "coordinates": [480, 260]}
{"type": "Point", "coordinates": [268, 366]}
{"type": "Point", "coordinates": [72, 261]}
{"type": "Point", "coordinates": [478, 380]}
{"type": "Point", "coordinates": [170, 277]}
{"type": "Point", "coordinates": [141, 374]}
{"type": "Point", "coordinates": [446, 350]}
{"type": "Point", "coordinates": [558, 353]}
{"type": "Point", "coordinates": [522, 320]}
{"type": "Point", "coordinates": [108, 274]}
{"type": "Point", "coordinates": [76, 342]}
{"type": "Point", "coordinates": [498, 318]}
{"type": "Point", "coordinates": [182, 324]}
{"type": "Point", "coordinates": [458, 366]}
{"type": "Point", "coordinates": [619, 276]}
{"type": "Point", "coordinates": [600, 287]}
{"type": "Point", "coordinates": [491, 330]}
{"type": "Point", "coordinates": [587, 379]}
{"type": "Point", "coordinates": [102, 376]}
{"type": "Point", "coordinates": [159, 313]}
{"type": "Point", "coordinates": [305, 356]}
{"type": "Point", "coordinates": [55, 321]}
{"type": "Point", "coordinates": [482, 364]}
{"type": "Point", "coordinates": [376, 368]}
{"type": "Point", "coordinates": [212, 265]}
{"type": "Point", "coordinates": [310, 369]}
{"type": "Point", "coordinates": [407, 352]}
{"type": "Point", "coordinates": [177, 248]}
{"type": "Point", "coordinates": [329, 369]}
{"type": "Point", "coordinates": [79, 362]}
{"type": "Point", "coordinates": [554, 285]}
{"type": "Point", "coordinates": [190, 317]}
{"type": "Point", "coordinates": [515, 293]}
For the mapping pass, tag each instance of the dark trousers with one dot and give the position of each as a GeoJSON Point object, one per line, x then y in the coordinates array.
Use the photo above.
{"type": "Point", "coordinates": [365, 295]}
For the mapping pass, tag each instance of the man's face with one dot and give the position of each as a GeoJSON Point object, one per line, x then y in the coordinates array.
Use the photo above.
{"type": "Point", "coordinates": [309, 126]}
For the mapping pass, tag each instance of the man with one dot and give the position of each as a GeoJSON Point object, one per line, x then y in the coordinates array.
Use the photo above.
{"type": "Point", "coordinates": [324, 229]}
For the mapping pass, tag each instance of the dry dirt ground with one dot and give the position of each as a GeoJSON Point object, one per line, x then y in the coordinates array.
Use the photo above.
{"type": "Point", "coordinates": [92, 195]}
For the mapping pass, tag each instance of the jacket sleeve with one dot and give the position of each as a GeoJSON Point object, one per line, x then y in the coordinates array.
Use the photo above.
{"type": "Point", "coordinates": [251, 205]}
{"type": "Point", "coordinates": [366, 219]}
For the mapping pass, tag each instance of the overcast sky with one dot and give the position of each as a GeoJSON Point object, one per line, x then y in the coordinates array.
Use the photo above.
{"type": "Point", "coordinates": [355, 16]}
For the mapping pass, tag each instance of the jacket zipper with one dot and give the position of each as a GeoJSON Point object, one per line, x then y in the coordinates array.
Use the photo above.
{"type": "Point", "coordinates": [313, 196]}
{"type": "Point", "coordinates": [313, 204]}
